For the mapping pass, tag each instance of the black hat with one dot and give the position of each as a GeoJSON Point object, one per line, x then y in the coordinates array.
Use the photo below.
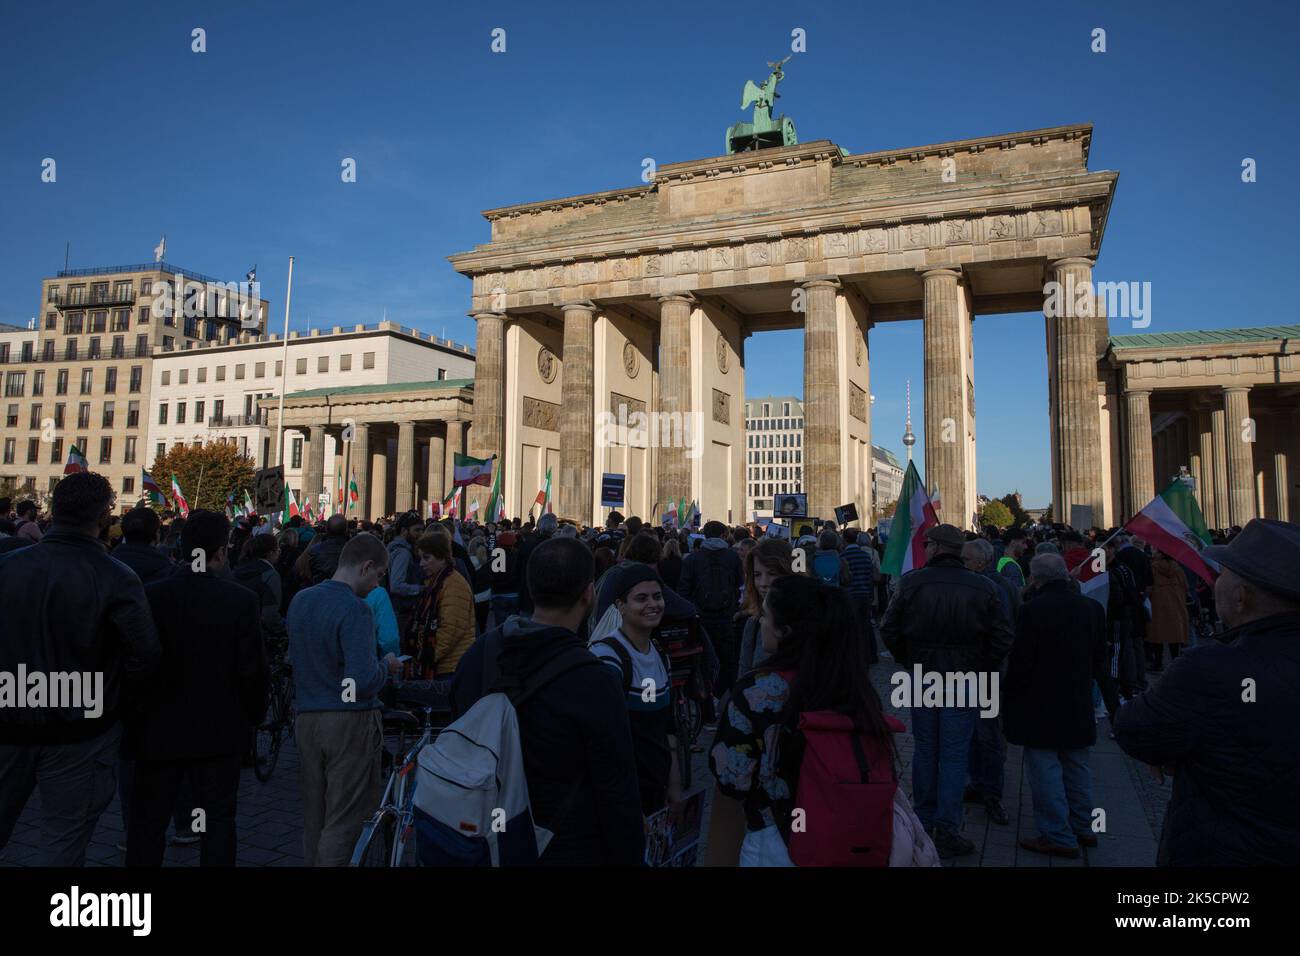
{"type": "Point", "coordinates": [1266, 552]}
{"type": "Point", "coordinates": [632, 573]}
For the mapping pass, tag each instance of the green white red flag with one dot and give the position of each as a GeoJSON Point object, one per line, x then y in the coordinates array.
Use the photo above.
{"type": "Point", "coordinates": [913, 516]}
{"type": "Point", "coordinates": [472, 471]}
{"type": "Point", "coordinates": [1172, 523]}
{"type": "Point", "coordinates": [178, 499]}
{"type": "Point", "coordinates": [76, 462]}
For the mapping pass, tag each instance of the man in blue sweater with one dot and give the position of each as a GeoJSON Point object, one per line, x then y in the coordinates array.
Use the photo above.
{"type": "Point", "coordinates": [337, 678]}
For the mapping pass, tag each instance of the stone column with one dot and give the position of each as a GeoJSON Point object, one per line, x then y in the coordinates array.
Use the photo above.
{"type": "Point", "coordinates": [379, 476]}
{"type": "Point", "coordinates": [405, 467]}
{"type": "Point", "coordinates": [315, 470]}
{"type": "Point", "coordinates": [437, 467]}
{"type": "Point", "coordinates": [1139, 487]}
{"type": "Point", "coordinates": [945, 393]}
{"type": "Point", "coordinates": [455, 440]}
{"type": "Point", "coordinates": [1078, 426]}
{"type": "Point", "coordinates": [489, 392]}
{"type": "Point", "coordinates": [577, 413]}
{"type": "Point", "coordinates": [360, 464]}
{"type": "Point", "coordinates": [1223, 506]}
{"type": "Point", "coordinates": [1240, 454]}
{"type": "Point", "coordinates": [675, 397]}
{"type": "Point", "coordinates": [1205, 474]}
{"type": "Point", "coordinates": [823, 465]}
{"type": "Point", "coordinates": [1280, 479]}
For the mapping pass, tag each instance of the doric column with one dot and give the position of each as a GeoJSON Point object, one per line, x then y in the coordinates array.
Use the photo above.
{"type": "Point", "coordinates": [437, 466]}
{"type": "Point", "coordinates": [360, 465]}
{"type": "Point", "coordinates": [1205, 476]}
{"type": "Point", "coordinates": [1240, 453]}
{"type": "Point", "coordinates": [405, 466]}
{"type": "Point", "coordinates": [945, 394]}
{"type": "Point", "coordinates": [1281, 484]}
{"type": "Point", "coordinates": [379, 476]}
{"type": "Point", "coordinates": [455, 445]}
{"type": "Point", "coordinates": [1223, 505]}
{"type": "Point", "coordinates": [489, 430]}
{"type": "Point", "coordinates": [674, 398]}
{"type": "Point", "coordinates": [1139, 487]}
{"type": "Point", "coordinates": [313, 476]}
{"type": "Point", "coordinates": [577, 413]}
{"type": "Point", "coordinates": [821, 398]}
{"type": "Point", "coordinates": [1077, 424]}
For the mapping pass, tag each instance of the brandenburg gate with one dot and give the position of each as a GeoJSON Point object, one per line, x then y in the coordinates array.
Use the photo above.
{"type": "Point", "coordinates": [595, 308]}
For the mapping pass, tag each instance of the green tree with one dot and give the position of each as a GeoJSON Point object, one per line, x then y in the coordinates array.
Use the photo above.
{"type": "Point", "coordinates": [1018, 515]}
{"type": "Point", "coordinates": [996, 514]}
{"type": "Point", "coordinates": [206, 474]}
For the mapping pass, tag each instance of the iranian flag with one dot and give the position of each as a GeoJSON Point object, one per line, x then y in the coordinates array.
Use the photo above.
{"type": "Point", "coordinates": [76, 462]}
{"type": "Point", "coordinates": [1094, 580]}
{"type": "Point", "coordinates": [178, 499]}
{"type": "Point", "coordinates": [913, 516]}
{"type": "Point", "coordinates": [352, 491]}
{"type": "Point", "coordinates": [290, 505]}
{"type": "Point", "coordinates": [1172, 523]}
{"type": "Point", "coordinates": [249, 510]}
{"type": "Point", "coordinates": [692, 518]}
{"type": "Point", "coordinates": [472, 471]}
{"type": "Point", "coordinates": [149, 488]}
{"type": "Point", "coordinates": [496, 510]}
{"type": "Point", "coordinates": [339, 485]}
{"type": "Point", "coordinates": [670, 515]}
{"type": "Point", "coordinates": [449, 503]}
{"type": "Point", "coordinates": [544, 496]}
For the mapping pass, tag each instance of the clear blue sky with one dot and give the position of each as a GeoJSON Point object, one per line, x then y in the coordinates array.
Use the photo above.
{"type": "Point", "coordinates": [235, 154]}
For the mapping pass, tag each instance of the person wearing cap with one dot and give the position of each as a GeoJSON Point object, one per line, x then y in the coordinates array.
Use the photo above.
{"type": "Point", "coordinates": [646, 677]}
{"type": "Point", "coordinates": [948, 620]}
{"type": "Point", "coordinates": [1223, 716]}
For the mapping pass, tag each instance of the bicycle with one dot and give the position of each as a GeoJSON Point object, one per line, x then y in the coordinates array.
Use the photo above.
{"type": "Point", "coordinates": [387, 834]}
{"type": "Point", "coordinates": [269, 737]}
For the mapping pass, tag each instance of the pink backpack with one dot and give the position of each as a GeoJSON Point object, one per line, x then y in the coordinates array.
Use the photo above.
{"type": "Point", "coordinates": [846, 792]}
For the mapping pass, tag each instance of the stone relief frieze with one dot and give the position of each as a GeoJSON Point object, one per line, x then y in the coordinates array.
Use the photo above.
{"type": "Point", "coordinates": [857, 402]}
{"type": "Point", "coordinates": [1002, 227]}
{"type": "Point", "coordinates": [547, 365]}
{"type": "Point", "coordinates": [721, 407]}
{"type": "Point", "coordinates": [541, 414]}
{"type": "Point", "coordinates": [631, 406]}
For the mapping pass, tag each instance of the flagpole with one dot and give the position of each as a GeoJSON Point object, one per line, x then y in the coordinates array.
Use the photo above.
{"type": "Point", "coordinates": [200, 488]}
{"type": "Point", "coordinates": [345, 492]}
{"type": "Point", "coordinates": [284, 371]}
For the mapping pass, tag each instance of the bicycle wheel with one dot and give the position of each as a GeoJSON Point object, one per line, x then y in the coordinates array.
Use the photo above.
{"type": "Point", "coordinates": [269, 736]}
{"type": "Point", "coordinates": [375, 845]}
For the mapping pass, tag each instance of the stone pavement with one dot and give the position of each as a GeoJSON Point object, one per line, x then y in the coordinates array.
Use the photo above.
{"type": "Point", "coordinates": [270, 815]}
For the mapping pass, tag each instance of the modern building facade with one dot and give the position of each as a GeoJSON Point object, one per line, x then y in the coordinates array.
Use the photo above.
{"type": "Point", "coordinates": [88, 379]}
{"type": "Point", "coordinates": [229, 391]}
{"type": "Point", "coordinates": [773, 451]}
{"type": "Point", "coordinates": [886, 478]}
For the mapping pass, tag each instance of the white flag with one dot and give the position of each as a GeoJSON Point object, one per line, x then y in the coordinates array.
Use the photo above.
{"type": "Point", "coordinates": [160, 250]}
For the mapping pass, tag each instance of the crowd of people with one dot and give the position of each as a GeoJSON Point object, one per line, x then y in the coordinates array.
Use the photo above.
{"type": "Point", "coordinates": [181, 616]}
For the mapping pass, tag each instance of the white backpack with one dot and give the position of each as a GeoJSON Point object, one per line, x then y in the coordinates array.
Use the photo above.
{"type": "Point", "coordinates": [471, 795]}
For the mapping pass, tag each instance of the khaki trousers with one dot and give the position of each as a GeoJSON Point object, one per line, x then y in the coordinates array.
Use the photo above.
{"type": "Point", "coordinates": [340, 779]}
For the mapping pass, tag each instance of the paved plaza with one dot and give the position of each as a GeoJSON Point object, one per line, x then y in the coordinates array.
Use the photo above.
{"type": "Point", "coordinates": [270, 814]}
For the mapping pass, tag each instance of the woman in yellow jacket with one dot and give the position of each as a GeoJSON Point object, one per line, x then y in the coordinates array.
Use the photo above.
{"type": "Point", "coordinates": [442, 627]}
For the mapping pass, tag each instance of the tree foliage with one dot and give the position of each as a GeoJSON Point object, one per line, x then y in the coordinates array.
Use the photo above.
{"type": "Point", "coordinates": [1019, 517]}
{"type": "Point", "coordinates": [996, 514]}
{"type": "Point", "coordinates": [222, 467]}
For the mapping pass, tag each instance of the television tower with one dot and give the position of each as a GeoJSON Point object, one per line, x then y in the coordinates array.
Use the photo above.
{"type": "Point", "coordinates": [908, 438]}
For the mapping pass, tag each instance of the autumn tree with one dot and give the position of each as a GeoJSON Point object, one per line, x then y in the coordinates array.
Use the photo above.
{"type": "Point", "coordinates": [997, 514]}
{"type": "Point", "coordinates": [1019, 517]}
{"type": "Point", "coordinates": [206, 474]}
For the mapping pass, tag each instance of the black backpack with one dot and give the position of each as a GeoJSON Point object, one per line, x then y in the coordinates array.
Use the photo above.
{"type": "Point", "coordinates": [718, 593]}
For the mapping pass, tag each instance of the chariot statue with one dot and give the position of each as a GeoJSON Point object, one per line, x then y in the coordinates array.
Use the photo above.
{"type": "Point", "coordinates": [764, 131]}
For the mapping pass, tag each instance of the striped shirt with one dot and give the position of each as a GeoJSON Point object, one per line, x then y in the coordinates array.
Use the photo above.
{"type": "Point", "coordinates": [863, 564]}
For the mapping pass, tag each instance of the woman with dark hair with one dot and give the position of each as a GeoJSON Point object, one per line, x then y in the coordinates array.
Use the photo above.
{"type": "Point", "coordinates": [817, 668]}
{"type": "Point", "coordinates": [765, 562]}
{"type": "Point", "coordinates": [670, 563]}
{"type": "Point", "coordinates": [442, 627]}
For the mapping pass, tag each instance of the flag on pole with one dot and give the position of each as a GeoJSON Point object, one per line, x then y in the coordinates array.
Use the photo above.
{"type": "Point", "coordinates": [178, 499]}
{"type": "Point", "coordinates": [473, 471]}
{"type": "Point", "coordinates": [76, 462]}
{"type": "Point", "coordinates": [352, 491]}
{"type": "Point", "coordinates": [339, 485]}
{"type": "Point", "coordinates": [544, 496]}
{"type": "Point", "coordinates": [249, 510]}
{"type": "Point", "coordinates": [230, 505]}
{"type": "Point", "coordinates": [291, 508]}
{"type": "Point", "coordinates": [670, 515]}
{"type": "Point", "coordinates": [692, 515]}
{"type": "Point", "coordinates": [449, 503]}
{"type": "Point", "coordinates": [913, 516]}
{"type": "Point", "coordinates": [149, 488]}
{"type": "Point", "coordinates": [1161, 525]}
{"type": "Point", "coordinates": [1094, 581]}
{"type": "Point", "coordinates": [496, 509]}
{"type": "Point", "coordinates": [473, 507]}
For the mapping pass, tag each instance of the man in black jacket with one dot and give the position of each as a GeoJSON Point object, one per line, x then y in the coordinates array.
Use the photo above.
{"type": "Point", "coordinates": [575, 733]}
{"type": "Point", "coordinates": [1060, 648]}
{"type": "Point", "coordinates": [711, 580]}
{"type": "Point", "coordinates": [139, 549]}
{"type": "Point", "coordinates": [80, 618]}
{"type": "Point", "coordinates": [212, 691]}
{"type": "Point", "coordinates": [1223, 716]}
{"type": "Point", "coordinates": [947, 621]}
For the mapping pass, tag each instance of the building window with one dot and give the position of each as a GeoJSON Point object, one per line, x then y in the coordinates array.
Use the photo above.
{"type": "Point", "coordinates": [132, 414]}
{"type": "Point", "coordinates": [56, 451]}
{"type": "Point", "coordinates": [198, 412]}
{"type": "Point", "coordinates": [128, 484]}
{"type": "Point", "coordinates": [119, 346]}
{"type": "Point", "coordinates": [442, 375]}
{"type": "Point", "coordinates": [180, 413]}
{"type": "Point", "coordinates": [15, 384]}
{"type": "Point", "coordinates": [47, 350]}
{"type": "Point", "coordinates": [83, 416]}
{"type": "Point", "coordinates": [99, 321]}
{"type": "Point", "coordinates": [203, 374]}
{"type": "Point", "coordinates": [38, 382]}
{"type": "Point", "coordinates": [239, 371]}
{"type": "Point", "coordinates": [87, 380]}
{"type": "Point", "coordinates": [110, 380]}
{"type": "Point", "coordinates": [36, 417]}
{"type": "Point", "coordinates": [11, 450]}
{"type": "Point", "coordinates": [169, 343]}
{"type": "Point", "coordinates": [11, 417]}
{"type": "Point", "coordinates": [221, 373]}
{"type": "Point", "coordinates": [121, 320]}
{"type": "Point", "coordinates": [259, 370]}
{"type": "Point", "coordinates": [74, 323]}
{"type": "Point", "coordinates": [368, 360]}
{"type": "Point", "coordinates": [345, 363]}
{"type": "Point", "coordinates": [162, 414]}
{"type": "Point", "coordinates": [279, 367]}
{"type": "Point", "coordinates": [128, 456]}
{"type": "Point", "coordinates": [58, 414]}
{"type": "Point", "coordinates": [51, 321]}
{"type": "Point", "coordinates": [105, 450]}
{"type": "Point", "coordinates": [159, 450]}
{"type": "Point", "coordinates": [300, 367]}
{"type": "Point", "coordinates": [52, 293]}
{"type": "Point", "coordinates": [297, 454]}
{"type": "Point", "coordinates": [93, 350]}
{"type": "Point", "coordinates": [218, 409]}
{"type": "Point", "coordinates": [184, 376]}
{"type": "Point", "coordinates": [141, 317]}
{"type": "Point", "coordinates": [137, 377]}
{"type": "Point", "coordinates": [108, 415]}
{"type": "Point", "coordinates": [166, 377]}
{"type": "Point", "coordinates": [323, 363]}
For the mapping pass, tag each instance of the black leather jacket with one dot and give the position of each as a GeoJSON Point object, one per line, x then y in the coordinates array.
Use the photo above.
{"type": "Point", "coordinates": [947, 619]}
{"type": "Point", "coordinates": [68, 607]}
